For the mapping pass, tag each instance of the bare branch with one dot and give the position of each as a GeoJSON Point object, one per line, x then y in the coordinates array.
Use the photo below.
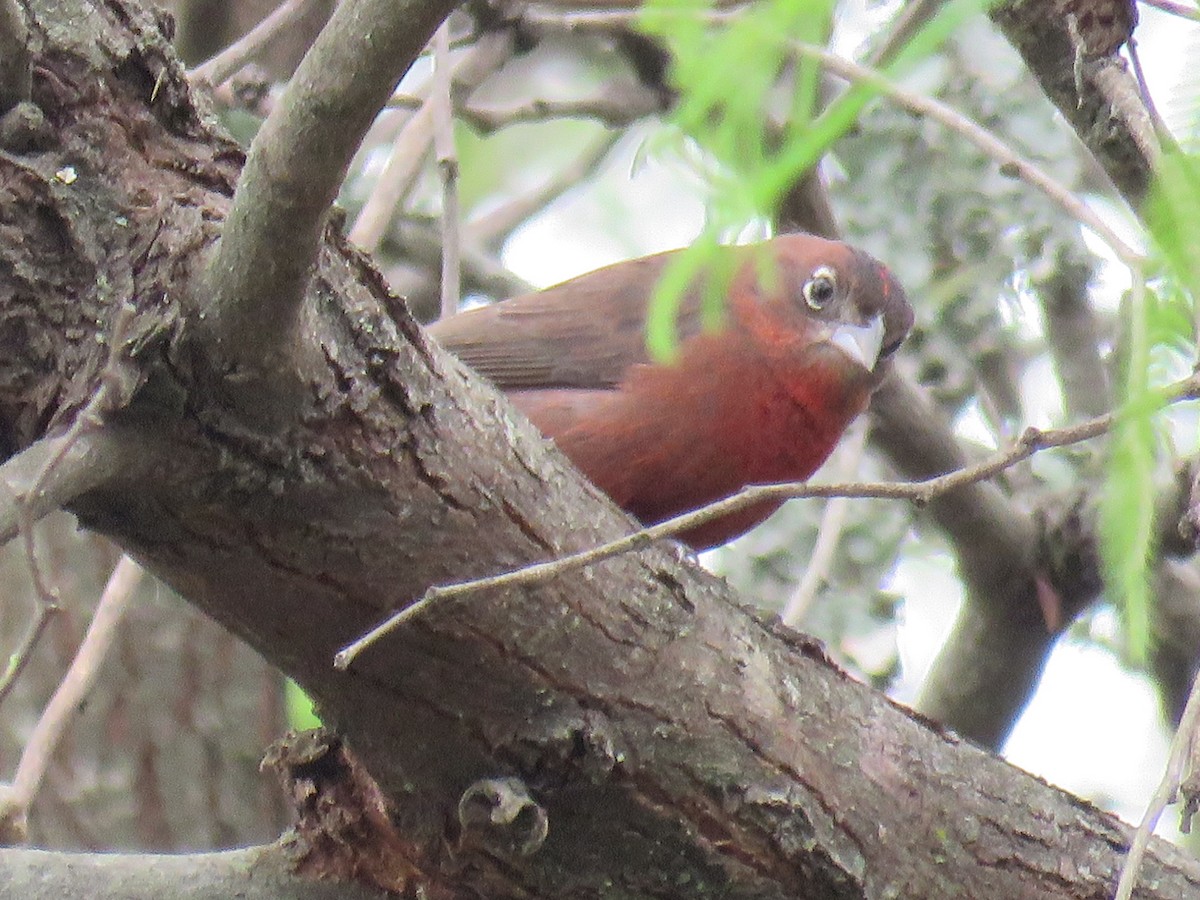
{"type": "Point", "coordinates": [19, 658]}
{"type": "Point", "coordinates": [229, 61]}
{"type": "Point", "coordinates": [988, 143]}
{"type": "Point", "coordinates": [492, 228]}
{"type": "Point", "coordinates": [447, 164]}
{"type": "Point", "coordinates": [1073, 335]}
{"type": "Point", "coordinates": [1175, 9]}
{"type": "Point", "coordinates": [414, 139]}
{"type": "Point", "coordinates": [49, 474]}
{"type": "Point", "coordinates": [919, 492]}
{"type": "Point", "coordinates": [1098, 97]}
{"type": "Point", "coordinates": [58, 475]}
{"type": "Point", "coordinates": [252, 873]}
{"type": "Point", "coordinates": [618, 105]}
{"type": "Point", "coordinates": [911, 19]}
{"type": "Point", "coordinates": [1183, 749]}
{"type": "Point", "coordinates": [16, 75]}
{"type": "Point", "coordinates": [420, 243]}
{"type": "Point", "coordinates": [829, 533]}
{"type": "Point", "coordinates": [259, 273]}
{"type": "Point", "coordinates": [69, 698]}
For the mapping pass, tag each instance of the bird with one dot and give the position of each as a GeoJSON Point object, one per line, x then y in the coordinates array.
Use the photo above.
{"type": "Point", "coordinates": [761, 397]}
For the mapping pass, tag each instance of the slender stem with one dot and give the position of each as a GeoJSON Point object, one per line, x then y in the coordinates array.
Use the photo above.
{"type": "Point", "coordinates": [447, 163]}
{"type": "Point", "coordinates": [1175, 9]}
{"type": "Point", "coordinates": [1180, 755]}
{"type": "Point", "coordinates": [987, 142]}
{"type": "Point", "coordinates": [919, 492]}
{"type": "Point", "coordinates": [72, 691]}
{"type": "Point", "coordinates": [413, 140]}
{"type": "Point", "coordinates": [229, 61]}
{"type": "Point", "coordinates": [829, 533]}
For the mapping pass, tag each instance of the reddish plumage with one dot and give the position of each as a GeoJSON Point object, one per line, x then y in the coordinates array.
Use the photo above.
{"type": "Point", "coordinates": [763, 399]}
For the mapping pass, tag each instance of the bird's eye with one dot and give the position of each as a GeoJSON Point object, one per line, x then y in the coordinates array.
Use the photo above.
{"type": "Point", "coordinates": [820, 289]}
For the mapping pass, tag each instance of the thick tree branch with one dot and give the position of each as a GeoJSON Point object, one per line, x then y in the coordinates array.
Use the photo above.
{"type": "Point", "coordinates": [1098, 96]}
{"type": "Point", "coordinates": [53, 472]}
{"type": "Point", "coordinates": [259, 273]}
{"type": "Point", "coordinates": [1073, 334]}
{"type": "Point", "coordinates": [256, 873]}
{"type": "Point", "coordinates": [950, 486]}
{"type": "Point", "coordinates": [979, 683]}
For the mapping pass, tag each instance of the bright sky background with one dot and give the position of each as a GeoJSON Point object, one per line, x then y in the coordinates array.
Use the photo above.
{"type": "Point", "coordinates": [1093, 728]}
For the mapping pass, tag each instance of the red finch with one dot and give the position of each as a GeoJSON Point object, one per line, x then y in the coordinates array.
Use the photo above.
{"type": "Point", "coordinates": [763, 397]}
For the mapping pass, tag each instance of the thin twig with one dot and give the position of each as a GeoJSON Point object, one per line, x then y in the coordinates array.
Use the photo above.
{"type": "Point", "coordinates": [81, 465]}
{"type": "Point", "coordinates": [492, 228]}
{"type": "Point", "coordinates": [914, 16]}
{"type": "Point", "coordinates": [419, 242]}
{"type": "Point", "coordinates": [447, 164]}
{"type": "Point", "coordinates": [616, 105]}
{"type": "Point", "coordinates": [20, 657]}
{"type": "Point", "coordinates": [229, 62]}
{"type": "Point", "coordinates": [1175, 9]}
{"type": "Point", "coordinates": [920, 493]}
{"type": "Point", "coordinates": [106, 397]}
{"type": "Point", "coordinates": [1160, 126]}
{"type": "Point", "coordinates": [987, 142]}
{"type": "Point", "coordinates": [72, 691]}
{"type": "Point", "coordinates": [1181, 752]}
{"type": "Point", "coordinates": [410, 144]}
{"type": "Point", "coordinates": [829, 535]}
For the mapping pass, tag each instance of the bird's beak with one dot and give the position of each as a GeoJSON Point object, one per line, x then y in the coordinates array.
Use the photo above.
{"type": "Point", "coordinates": [860, 342]}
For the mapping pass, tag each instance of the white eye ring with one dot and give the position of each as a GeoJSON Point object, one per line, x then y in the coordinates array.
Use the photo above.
{"type": "Point", "coordinates": [820, 288]}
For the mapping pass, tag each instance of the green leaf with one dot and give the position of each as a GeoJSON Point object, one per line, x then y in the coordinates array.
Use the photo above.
{"type": "Point", "coordinates": [301, 713]}
{"type": "Point", "coordinates": [1173, 216]}
{"type": "Point", "coordinates": [728, 80]}
{"type": "Point", "coordinates": [1161, 318]}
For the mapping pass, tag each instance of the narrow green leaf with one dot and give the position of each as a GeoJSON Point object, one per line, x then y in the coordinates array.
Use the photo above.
{"type": "Point", "coordinates": [301, 714]}
{"type": "Point", "coordinates": [727, 78]}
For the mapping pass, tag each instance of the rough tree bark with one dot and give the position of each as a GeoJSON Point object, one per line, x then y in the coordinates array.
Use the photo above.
{"type": "Point", "coordinates": [626, 730]}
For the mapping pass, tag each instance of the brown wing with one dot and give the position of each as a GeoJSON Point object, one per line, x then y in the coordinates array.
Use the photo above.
{"type": "Point", "coordinates": [583, 333]}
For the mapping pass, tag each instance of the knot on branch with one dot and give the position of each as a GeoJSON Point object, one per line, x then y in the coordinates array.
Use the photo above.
{"type": "Point", "coordinates": [1070, 573]}
{"type": "Point", "coordinates": [24, 129]}
{"type": "Point", "coordinates": [343, 827]}
{"type": "Point", "coordinates": [14, 826]}
{"type": "Point", "coordinates": [562, 748]}
{"type": "Point", "coordinates": [499, 815]}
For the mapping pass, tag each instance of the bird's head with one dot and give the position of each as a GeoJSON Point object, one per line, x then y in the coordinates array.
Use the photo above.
{"type": "Point", "coordinates": [834, 295]}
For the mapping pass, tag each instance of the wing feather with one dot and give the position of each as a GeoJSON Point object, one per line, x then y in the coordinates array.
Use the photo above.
{"type": "Point", "coordinates": [583, 333]}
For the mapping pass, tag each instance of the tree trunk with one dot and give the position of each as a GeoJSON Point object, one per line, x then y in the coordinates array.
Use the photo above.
{"type": "Point", "coordinates": [629, 729]}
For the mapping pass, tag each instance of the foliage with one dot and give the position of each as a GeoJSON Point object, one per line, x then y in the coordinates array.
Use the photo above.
{"type": "Point", "coordinates": [755, 163]}
{"type": "Point", "coordinates": [1160, 319]}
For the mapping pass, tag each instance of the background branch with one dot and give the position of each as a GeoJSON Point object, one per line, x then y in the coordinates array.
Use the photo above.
{"type": "Point", "coordinates": [1119, 134]}
{"type": "Point", "coordinates": [415, 138]}
{"type": "Point", "coordinates": [255, 873]}
{"type": "Point", "coordinates": [68, 699]}
{"type": "Point", "coordinates": [229, 61]}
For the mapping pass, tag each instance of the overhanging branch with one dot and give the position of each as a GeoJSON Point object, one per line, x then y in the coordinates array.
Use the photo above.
{"type": "Point", "coordinates": [259, 274]}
